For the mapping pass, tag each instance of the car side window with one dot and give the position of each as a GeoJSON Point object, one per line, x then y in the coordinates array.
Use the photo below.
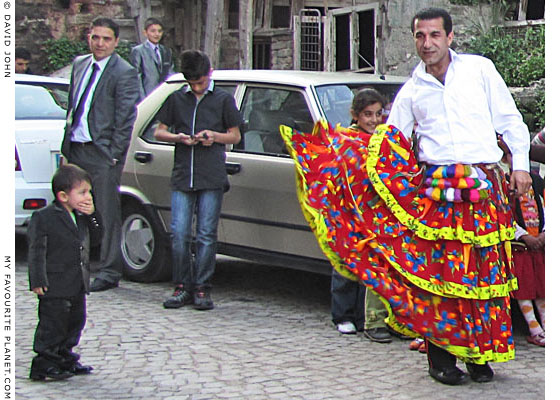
{"type": "Point", "coordinates": [40, 101]}
{"type": "Point", "coordinates": [263, 111]}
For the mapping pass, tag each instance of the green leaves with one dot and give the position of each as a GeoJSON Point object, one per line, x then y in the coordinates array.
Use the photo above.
{"type": "Point", "coordinates": [61, 52]}
{"type": "Point", "coordinates": [520, 61]}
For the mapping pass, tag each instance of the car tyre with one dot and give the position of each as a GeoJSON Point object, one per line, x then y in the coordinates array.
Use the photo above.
{"type": "Point", "coordinates": [143, 246]}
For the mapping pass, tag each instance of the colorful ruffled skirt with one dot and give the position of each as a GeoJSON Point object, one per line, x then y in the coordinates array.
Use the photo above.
{"type": "Point", "coordinates": [442, 268]}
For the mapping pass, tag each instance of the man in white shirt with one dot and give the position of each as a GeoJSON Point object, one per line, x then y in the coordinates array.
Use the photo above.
{"type": "Point", "coordinates": [459, 102]}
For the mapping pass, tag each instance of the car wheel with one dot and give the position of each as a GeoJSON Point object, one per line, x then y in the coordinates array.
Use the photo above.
{"type": "Point", "coordinates": [143, 246]}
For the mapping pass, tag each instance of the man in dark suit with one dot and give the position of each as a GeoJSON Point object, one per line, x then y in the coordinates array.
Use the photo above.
{"type": "Point", "coordinates": [104, 90]}
{"type": "Point", "coordinates": [152, 60]}
{"type": "Point", "coordinates": [59, 238]}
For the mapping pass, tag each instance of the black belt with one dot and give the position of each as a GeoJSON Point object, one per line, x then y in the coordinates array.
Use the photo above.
{"type": "Point", "coordinates": [81, 144]}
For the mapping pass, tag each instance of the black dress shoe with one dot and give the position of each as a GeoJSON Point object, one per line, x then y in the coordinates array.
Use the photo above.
{"type": "Point", "coordinates": [448, 375]}
{"type": "Point", "coordinates": [53, 373]}
{"type": "Point", "coordinates": [480, 372]}
{"type": "Point", "coordinates": [100, 285]}
{"type": "Point", "coordinates": [79, 369]}
{"type": "Point", "coordinates": [379, 335]}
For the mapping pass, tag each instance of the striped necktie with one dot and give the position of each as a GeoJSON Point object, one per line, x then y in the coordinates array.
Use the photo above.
{"type": "Point", "coordinates": [80, 109]}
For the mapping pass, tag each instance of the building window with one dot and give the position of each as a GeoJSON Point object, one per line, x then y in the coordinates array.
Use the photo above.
{"type": "Point", "coordinates": [233, 14]}
{"type": "Point", "coordinates": [310, 40]}
{"type": "Point", "coordinates": [535, 9]}
{"type": "Point", "coordinates": [261, 53]}
{"type": "Point", "coordinates": [529, 10]}
{"type": "Point", "coordinates": [281, 14]}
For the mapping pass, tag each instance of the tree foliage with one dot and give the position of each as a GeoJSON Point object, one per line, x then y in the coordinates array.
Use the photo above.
{"type": "Point", "coordinates": [520, 61]}
{"type": "Point", "coordinates": [61, 52]}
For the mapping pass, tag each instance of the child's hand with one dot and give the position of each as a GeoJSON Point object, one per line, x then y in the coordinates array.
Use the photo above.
{"type": "Point", "coordinates": [188, 140]}
{"type": "Point", "coordinates": [40, 290]}
{"type": "Point", "coordinates": [206, 137]}
{"type": "Point", "coordinates": [86, 207]}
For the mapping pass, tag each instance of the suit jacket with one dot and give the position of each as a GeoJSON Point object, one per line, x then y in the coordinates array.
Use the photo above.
{"type": "Point", "coordinates": [113, 107]}
{"type": "Point", "coordinates": [58, 253]}
{"type": "Point", "coordinates": [150, 73]}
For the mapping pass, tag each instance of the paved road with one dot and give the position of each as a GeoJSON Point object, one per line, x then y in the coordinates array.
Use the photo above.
{"type": "Point", "coordinates": [270, 337]}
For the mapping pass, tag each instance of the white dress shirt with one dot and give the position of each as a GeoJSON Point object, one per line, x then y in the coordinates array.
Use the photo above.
{"type": "Point", "coordinates": [80, 133]}
{"type": "Point", "coordinates": [458, 120]}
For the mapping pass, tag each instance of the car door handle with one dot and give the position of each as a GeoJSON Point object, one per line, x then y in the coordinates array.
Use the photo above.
{"type": "Point", "coordinates": [233, 168]}
{"type": "Point", "coordinates": [143, 157]}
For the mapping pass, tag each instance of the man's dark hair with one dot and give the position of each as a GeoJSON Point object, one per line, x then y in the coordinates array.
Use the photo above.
{"type": "Point", "coordinates": [152, 21]}
{"type": "Point", "coordinates": [194, 64]}
{"type": "Point", "coordinates": [67, 176]}
{"type": "Point", "coordinates": [433, 13]}
{"type": "Point", "coordinates": [22, 52]}
{"type": "Point", "coordinates": [107, 23]}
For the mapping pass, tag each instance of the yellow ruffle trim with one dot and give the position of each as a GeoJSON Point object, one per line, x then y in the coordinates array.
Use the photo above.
{"type": "Point", "coordinates": [412, 223]}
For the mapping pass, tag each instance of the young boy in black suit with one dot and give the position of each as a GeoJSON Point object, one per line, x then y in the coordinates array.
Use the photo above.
{"type": "Point", "coordinates": [59, 238]}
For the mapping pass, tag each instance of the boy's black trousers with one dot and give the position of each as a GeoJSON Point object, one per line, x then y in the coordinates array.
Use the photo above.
{"type": "Point", "coordinates": [61, 321]}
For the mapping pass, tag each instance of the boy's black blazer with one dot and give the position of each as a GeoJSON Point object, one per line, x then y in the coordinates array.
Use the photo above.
{"type": "Point", "coordinates": [58, 253]}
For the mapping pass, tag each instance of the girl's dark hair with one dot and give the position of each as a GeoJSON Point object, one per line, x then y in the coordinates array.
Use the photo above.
{"type": "Point", "coordinates": [68, 176]}
{"type": "Point", "coordinates": [366, 97]}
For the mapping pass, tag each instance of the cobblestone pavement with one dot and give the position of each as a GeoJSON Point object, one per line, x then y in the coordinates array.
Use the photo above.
{"type": "Point", "coordinates": [269, 337]}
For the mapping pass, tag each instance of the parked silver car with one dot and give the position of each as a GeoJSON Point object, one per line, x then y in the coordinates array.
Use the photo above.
{"type": "Point", "coordinates": [261, 219]}
{"type": "Point", "coordinates": [40, 116]}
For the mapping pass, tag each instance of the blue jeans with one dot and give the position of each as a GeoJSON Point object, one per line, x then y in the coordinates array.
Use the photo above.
{"type": "Point", "coordinates": [207, 204]}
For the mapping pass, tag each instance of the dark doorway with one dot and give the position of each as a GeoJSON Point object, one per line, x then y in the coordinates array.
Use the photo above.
{"type": "Point", "coordinates": [535, 9]}
{"type": "Point", "coordinates": [366, 21]}
{"type": "Point", "coordinates": [261, 53]}
{"type": "Point", "coordinates": [342, 42]}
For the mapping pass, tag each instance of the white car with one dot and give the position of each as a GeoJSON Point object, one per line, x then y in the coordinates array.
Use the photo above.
{"type": "Point", "coordinates": [40, 105]}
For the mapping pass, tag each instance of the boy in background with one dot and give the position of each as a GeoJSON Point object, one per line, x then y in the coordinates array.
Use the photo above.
{"type": "Point", "coordinates": [152, 60]}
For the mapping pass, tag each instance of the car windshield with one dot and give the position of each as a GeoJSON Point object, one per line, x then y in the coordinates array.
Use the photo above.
{"type": "Point", "coordinates": [41, 101]}
{"type": "Point", "coordinates": [336, 100]}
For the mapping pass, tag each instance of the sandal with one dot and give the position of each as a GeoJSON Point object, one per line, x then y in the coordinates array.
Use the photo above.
{"type": "Point", "coordinates": [537, 339]}
{"type": "Point", "coordinates": [422, 348]}
{"type": "Point", "coordinates": [416, 343]}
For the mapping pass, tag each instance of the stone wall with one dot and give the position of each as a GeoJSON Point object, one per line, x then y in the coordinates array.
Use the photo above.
{"type": "Point", "coordinates": [400, 53]}
{"type": "Point", "coordinates": [282, 49]}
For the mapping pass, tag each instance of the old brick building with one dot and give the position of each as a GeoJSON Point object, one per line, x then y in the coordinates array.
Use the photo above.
{"type": "Point", "coordinates": [299, 34]}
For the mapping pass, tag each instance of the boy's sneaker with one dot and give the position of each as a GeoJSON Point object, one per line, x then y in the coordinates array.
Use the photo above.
{"type": "Point", "coordinates": [346, 328]}
{"type": "Point", "coordinates": [179, 298]}
{"type": "Point", "coordinates": [202, 300]}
